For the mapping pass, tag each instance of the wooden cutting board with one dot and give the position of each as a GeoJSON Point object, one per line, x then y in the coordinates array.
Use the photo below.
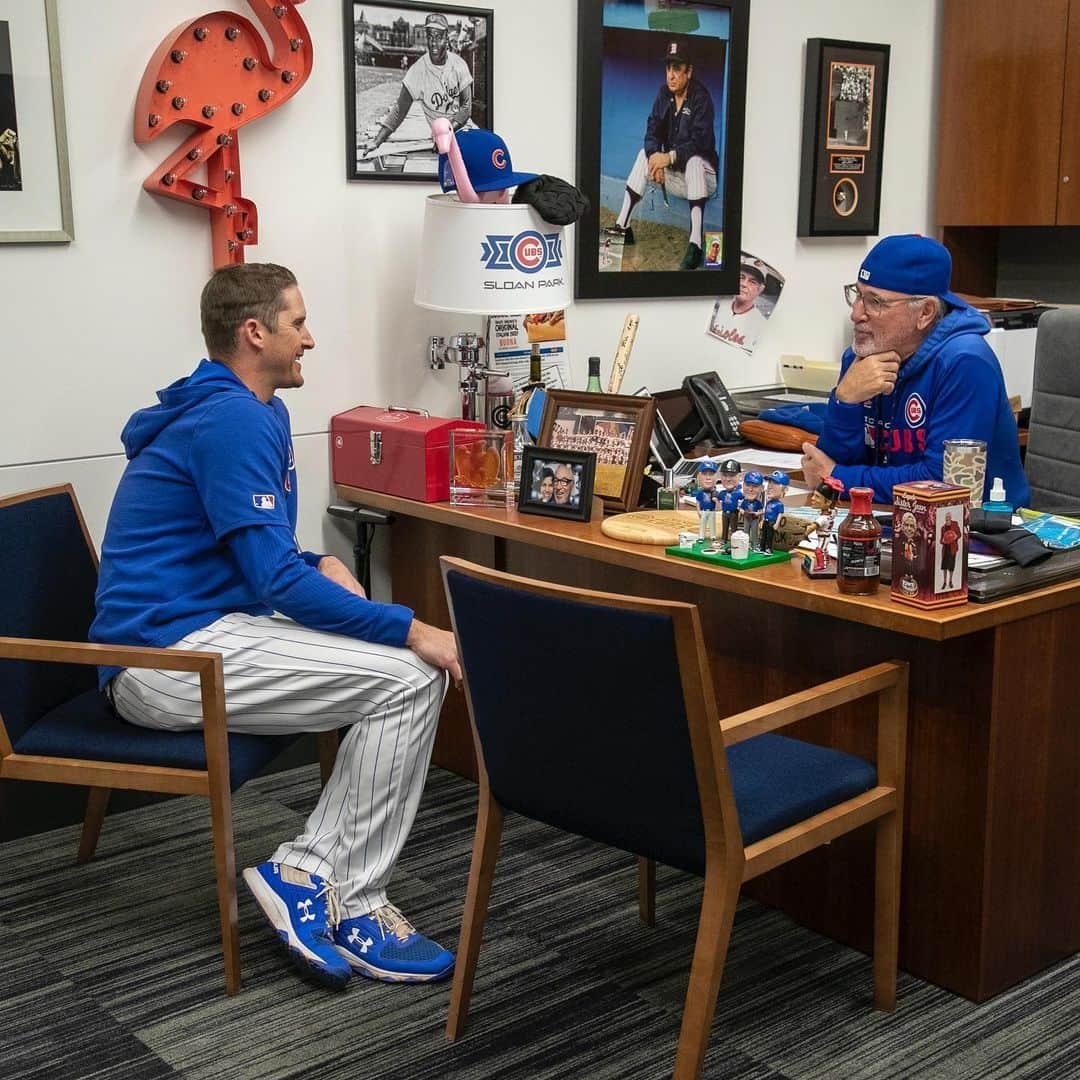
{"type": "Point", "coordinates": [650, 526]}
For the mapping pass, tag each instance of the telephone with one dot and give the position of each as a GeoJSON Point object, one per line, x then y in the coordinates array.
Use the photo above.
{"type": "Point", "coordinates": [715, 407]}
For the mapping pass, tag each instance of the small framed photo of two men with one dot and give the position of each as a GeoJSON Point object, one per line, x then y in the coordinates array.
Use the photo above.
{"type": "Point", "coordinates": [556, 483]}
{"type": "Point", "coordinates": [615, 428]}
{"type": "Point", "coordinates": [843, 137]}
{"type": "Point", "coordinates": [407, 63]}
{"type": "Point", "coordinates": [661, 114]}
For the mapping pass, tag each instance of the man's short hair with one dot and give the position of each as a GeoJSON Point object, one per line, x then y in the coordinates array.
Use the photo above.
{"type": "Point", "coordinates": [237, 293]}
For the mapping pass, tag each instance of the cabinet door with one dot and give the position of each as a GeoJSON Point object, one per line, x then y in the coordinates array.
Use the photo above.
{"type": "Point", "coordinates": [1002, 68]}
{"type": "Point", "coordinates": [1068, 207]}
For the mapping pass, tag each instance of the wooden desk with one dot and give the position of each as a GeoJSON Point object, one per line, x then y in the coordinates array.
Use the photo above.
{"type": "Point", "coordinates": [991, 871]}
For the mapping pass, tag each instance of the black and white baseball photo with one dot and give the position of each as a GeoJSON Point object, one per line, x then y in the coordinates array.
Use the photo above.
{"type": "Point", "coordinates": [411, 64]}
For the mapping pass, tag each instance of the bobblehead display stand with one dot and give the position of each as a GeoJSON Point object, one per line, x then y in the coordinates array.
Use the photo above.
{"type": "Point", "coordinates": [738, 505]}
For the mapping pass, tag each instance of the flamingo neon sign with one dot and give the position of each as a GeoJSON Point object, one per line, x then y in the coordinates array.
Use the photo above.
{"type": "Point", "coordinates": [216, 74]}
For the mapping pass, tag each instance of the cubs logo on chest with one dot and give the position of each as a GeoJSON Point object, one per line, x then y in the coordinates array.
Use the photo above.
{"type": "Point", "coordinates": [915, 411]}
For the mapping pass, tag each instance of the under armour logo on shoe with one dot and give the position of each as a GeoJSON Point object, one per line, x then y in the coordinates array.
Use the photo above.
{"type": "Point", "coordinates": [305, 907]}
{"type": "Point", "coordinates": [354, 938]}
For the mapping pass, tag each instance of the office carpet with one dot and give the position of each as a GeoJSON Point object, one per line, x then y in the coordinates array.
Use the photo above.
{"type": "Point", "coordinates": [113, 970]}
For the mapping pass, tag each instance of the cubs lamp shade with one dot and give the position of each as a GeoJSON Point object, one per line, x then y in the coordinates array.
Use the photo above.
{"type": "Point", "coordinates": [490, 259]}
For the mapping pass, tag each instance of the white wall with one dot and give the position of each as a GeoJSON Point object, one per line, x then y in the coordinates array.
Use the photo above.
{"type": "Point", "coordinates": [91, 330]}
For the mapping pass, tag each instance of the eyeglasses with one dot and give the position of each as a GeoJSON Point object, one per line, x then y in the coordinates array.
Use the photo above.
{"type": "Point", "coordinates": [563, 482]}
{"type": "Point", "coordinates": [873, 305]}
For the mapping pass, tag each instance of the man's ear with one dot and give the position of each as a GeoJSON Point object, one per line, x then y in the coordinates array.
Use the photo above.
{"type": "Point", "coordinates": [251, 333]}
{"type": "Point", "coordinates": [927, 313]}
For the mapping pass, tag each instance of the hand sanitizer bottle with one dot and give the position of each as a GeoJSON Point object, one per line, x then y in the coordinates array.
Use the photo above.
{"type": "Point", "coordinates": [997, 500]}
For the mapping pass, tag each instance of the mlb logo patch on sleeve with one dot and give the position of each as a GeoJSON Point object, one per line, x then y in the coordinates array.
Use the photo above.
{"type": "Point", "coordinates": [263, 502]}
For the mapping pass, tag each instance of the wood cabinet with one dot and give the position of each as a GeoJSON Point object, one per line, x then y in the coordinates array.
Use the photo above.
{"type": "Point", "coordinates": [1009, 120]}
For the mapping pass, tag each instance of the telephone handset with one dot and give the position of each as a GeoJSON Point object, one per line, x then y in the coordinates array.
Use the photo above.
{"type": "Point", "coordinates": [715, 406]}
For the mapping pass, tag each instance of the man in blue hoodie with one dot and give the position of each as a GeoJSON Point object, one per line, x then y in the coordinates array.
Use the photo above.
{"type": "Point", "coordinates": [200, 553]}
{"type": "Point", "coordinates": [918, 372]}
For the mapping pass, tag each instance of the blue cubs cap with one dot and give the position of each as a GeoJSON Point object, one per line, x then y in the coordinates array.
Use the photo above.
{"type": "Point", "coordinates": [487, 162]}
{"type": "Point", "coordinates": [779, 477]}
{"type": "Point", "coordinates": [753, 477]}
{"type": "Point", "coordinates": [910, 264]}
{"type": "Point", "coordinates": [708, 466]}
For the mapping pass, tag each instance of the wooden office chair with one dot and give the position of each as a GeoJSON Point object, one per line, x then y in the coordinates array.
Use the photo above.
{"type": "Point", "coordinates": [596, 714]}
{"type": "Point", "coordinates": [57, 727]}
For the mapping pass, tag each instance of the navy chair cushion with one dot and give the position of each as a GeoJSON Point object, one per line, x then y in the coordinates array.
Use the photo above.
{"type": "Point", "coordinates": [87, 727]}
{"type": "Point", "coordinates": [779, 781]}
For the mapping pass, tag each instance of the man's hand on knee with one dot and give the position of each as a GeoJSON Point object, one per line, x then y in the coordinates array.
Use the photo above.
{"type": "Point", "coordinates": [332, 567]}
{"type": "Point", "coordinates": [436, 646]}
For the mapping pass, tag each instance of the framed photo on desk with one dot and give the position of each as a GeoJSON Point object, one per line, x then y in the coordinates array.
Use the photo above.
{"type": "Point", "coordinates": [614, 427]}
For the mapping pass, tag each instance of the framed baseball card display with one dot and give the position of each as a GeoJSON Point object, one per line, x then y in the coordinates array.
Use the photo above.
{"type": "Point", "coordinates": [661, 112]}
{"type": "Point", "coordinates": [843, 134]}
{"type": "Point", "coordinates": [407, 63]}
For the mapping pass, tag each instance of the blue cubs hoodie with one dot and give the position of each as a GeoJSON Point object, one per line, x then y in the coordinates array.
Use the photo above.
{"type": "Point", "coordinates": [203, 524]}
{"type": "Point", "coordinates": [951, 387]}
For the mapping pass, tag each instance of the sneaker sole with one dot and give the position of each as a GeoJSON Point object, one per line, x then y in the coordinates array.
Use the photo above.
{"type": "Point", "coordinates": [369, 971]}
{"type": "Point", "coordinates": [306, 962]}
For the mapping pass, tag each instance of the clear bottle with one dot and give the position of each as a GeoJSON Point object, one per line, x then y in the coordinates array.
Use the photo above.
{"type": "Point", "coordinates": [858, 547]}
{"type": "Point", "coordinates": [593, 385]}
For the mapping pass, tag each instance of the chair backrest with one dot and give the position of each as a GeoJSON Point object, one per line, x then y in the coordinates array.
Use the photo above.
{"type": "Point", "coordinates": [594, 713]}
{"type": "Point", "coordinates": [48, 575]}
{"type": "Point", "coordinates": [1052, 463]}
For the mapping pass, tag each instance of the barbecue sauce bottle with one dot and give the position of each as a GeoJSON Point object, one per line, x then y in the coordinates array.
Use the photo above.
{"type": "Point", "coordinates": [858, 547]}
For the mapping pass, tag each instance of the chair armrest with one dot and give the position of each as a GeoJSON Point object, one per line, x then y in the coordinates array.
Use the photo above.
{"type": "Point", "coordinates": [827, 695]}
{"type": "Point", "coordinates": [208, 665]}
{"type": "Point", "coordinates": [82, 652]}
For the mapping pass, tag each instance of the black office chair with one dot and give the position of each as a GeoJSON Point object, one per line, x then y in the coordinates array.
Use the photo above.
{"type": "Point", "coordinates": [1052, 464]}
{"type": "Point", "coordinates": [596, 714]}
{"type": "Point", "coordinates": [57, 727]}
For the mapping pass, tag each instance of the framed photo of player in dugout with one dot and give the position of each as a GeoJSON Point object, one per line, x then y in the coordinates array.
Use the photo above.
{"type": "Point", "coordinates": [406, 63]}
{"type": "Point", "coordinates": [613, 427]}
{"type": "Point", "coordinates": [843, 136]}
{"type": "Point", "coordinates": [660, 146]}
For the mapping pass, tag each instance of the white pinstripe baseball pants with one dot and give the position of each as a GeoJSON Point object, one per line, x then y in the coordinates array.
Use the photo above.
{"type": "Point", "coordinates": [697, 181]}
{"type": "Point", "coordinates": [281, 677]}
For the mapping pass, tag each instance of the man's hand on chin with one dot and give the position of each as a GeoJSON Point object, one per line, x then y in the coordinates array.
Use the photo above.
{"type": "Point", "coordinates": [816, 465]}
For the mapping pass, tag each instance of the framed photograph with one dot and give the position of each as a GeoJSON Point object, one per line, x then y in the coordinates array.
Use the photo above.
{"type": "Point", "coordinates": [556, 483]}
{"type": "Point", "coordinates": [843, 137]}
{"type": "Point", "coordinates": [407, 63]}
{"type": "Point", "coordinates": [661, 107]}
{"type": "Point", "coordinates": [613, 427]}
{"type": "Point", "coordinates": [35, 184]}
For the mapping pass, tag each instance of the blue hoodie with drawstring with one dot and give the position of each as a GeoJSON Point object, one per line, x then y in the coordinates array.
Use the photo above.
{"type": "Point", "coordinates": [951, 387]}
{"type": "Point", "coordinates": [203, 524]}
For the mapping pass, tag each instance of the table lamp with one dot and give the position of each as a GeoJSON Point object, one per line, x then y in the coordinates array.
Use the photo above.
{"type": "Point", "coordinates": [486, 259]}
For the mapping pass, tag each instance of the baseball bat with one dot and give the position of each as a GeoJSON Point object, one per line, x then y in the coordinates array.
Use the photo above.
{"type": "Point", "coordinates": [622, 353]}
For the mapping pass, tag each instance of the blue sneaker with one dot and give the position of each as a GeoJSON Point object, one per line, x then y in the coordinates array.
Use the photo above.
{"type": "Point", "coordinates": [302, 908]}
{"type": "Point", "coordinates": [384, 945]}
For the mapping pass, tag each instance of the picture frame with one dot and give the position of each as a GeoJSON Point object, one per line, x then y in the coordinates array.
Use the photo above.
{"type": "Point", "coordinates": [384, 41]}
{"type": "Point", "coordinates": [35, 179]}
{"type": "Point", "coordinates": [843, 137]}
{"type": "Point", "coordinates": [547, 476]}
{"type": "Point", "coordinates": [625, 116]}
{"type": "Point", "coordinates": [614, 427]}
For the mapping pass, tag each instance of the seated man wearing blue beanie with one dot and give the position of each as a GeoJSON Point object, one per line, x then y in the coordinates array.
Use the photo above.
{"type": "Point", "coordinates": [918, 372]}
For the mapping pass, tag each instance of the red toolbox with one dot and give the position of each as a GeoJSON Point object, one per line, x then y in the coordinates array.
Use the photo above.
{"type": "Point", "coordinates": [396, 451]}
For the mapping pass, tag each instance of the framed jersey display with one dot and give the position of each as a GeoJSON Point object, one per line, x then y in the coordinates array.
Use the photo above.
{"type": "Point", "coordinates": [843, 133]}
{"type": "Point", "coordinates": [407, 63]}
{"type": "Point", "coordinates": [661, 114]}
